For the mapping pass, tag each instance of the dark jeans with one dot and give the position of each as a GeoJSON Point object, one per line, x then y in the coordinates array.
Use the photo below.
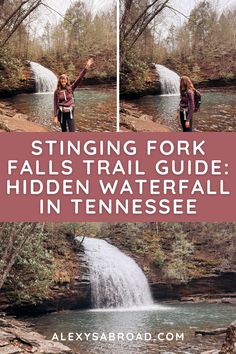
{"type": "Point", "coordinates": [190, 129]}
{"type": "Point", "coordinates": [66, 121]}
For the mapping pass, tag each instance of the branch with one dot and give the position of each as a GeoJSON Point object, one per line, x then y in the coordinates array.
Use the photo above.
{"type": "Point", "coordinates": [31, 9]}
{"type": "Point", "coordinates": [50, 8]}
{"type": "Point", "coordinates": [13, 14]}
{"type": "Point", "coordinates": [15, 253]}
{"type": "Point", "coordinates": [158, 9]}
{"type": "Point", "coordinates": [148, 20]}
{"type": "Point", "coordinates": [177, 11]}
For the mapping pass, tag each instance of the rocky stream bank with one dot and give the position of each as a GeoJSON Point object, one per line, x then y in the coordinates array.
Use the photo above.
{"type": "Point", "coordinates": [132, 119]}
{"type": "Point", "coordinates": [19, 337]}
{"type": "Point", "coordinates": [13, 121]}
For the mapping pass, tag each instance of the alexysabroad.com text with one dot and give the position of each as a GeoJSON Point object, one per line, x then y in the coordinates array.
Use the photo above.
{"type": "Point", "coordinates": [116, 337]}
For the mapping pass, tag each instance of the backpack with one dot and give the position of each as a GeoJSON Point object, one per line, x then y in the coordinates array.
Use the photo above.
{"type": "Point", "coordinates": [197, 100]}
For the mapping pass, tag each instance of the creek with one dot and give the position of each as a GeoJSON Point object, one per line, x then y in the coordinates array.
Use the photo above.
{"type": "Point", "coordinates": [217, 112]}
{"type": "Point", "coordinates": [154, 319]}
{"type": "Point", "coordinates": [95, 108]}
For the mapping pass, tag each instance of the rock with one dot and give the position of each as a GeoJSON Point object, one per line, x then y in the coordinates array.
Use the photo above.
{"type": "Point", "coordinates": [214, 351]}
{"type": "Point", "coordinates": [212, 332]}
{"type": "Point", "coordinates": [3, 125]}
{"type": "Point", "coordinates": [5, 323]}
{"type": "Point", "coordinates": [229, 346]}
{"type": "Point", "coordinates": [11, 349]}
{"type": "Point", "coordinates": [19, 339]}
{"type": "Point", "coordinates": [44, 346]}
{"type": "Point", "coordinates": [32, 338]}
{"type": "Point", "coordinates": [3, 343]}
{"type": "Point", "coordinates": [47, 347]}
{"type": "Point", "coordinates": [6, 336]}
{"type": "Point", "coordinates": [132, 119]}
{"type": "Point", "coordinates": [18, 123]}
{"type": "Point", "coordinates": [11, 121]}
{"type": "Point", "coordinates": [209, 287]}
{"type": "Point", "coordinates": [228, 300]}
{"type": "Point", "coordinates": [20, 116]}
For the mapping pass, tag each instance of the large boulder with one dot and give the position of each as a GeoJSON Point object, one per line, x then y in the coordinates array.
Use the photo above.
{"type": "Point", "coordinates": [229, 346]}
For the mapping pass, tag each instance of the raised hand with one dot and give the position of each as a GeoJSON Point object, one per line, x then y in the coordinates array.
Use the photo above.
{"type": "Point", "coordinates": [89, 63]}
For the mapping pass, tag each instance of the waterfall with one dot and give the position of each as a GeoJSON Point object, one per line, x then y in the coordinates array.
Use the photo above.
{"type": "Point", "coordinates": [46, 80]}
{"type": "Point", "coordinates": [169, 80]}
{"type": "Point", "coordinates": [116, 280]}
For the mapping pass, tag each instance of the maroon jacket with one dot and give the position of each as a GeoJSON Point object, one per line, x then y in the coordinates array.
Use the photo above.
{"type": "Point", "coordinates": [65, 98]}
{"type": "Point", "coordinates": [187, 103]}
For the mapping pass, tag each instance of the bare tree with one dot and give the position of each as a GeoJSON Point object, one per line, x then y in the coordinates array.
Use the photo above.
{"type": "Point", "coordinates": [136, 18]}
{"type": "Point", "coordinates": [13, 238]}
{"type": "Point", "coordinates": [16, 17]}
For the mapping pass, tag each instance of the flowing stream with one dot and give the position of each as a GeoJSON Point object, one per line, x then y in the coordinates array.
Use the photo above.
{"type": "Point", "coordinates": [116, 280]}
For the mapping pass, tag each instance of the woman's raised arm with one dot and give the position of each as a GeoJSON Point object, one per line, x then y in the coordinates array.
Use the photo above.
{"type": "Point", "coordinates": [82, 74]}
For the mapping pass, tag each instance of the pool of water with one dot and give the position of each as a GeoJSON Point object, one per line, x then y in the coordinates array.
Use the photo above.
{"type": "Point", "coordinates": [156, 320]}
{"type": "Point", "coordinates": [95, 108]}
{"type": "Point", "coordinates": [217, 113]}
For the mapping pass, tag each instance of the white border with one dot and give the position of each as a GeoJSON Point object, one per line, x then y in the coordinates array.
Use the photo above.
{"type": "Point", "coordinates": [118, 67]}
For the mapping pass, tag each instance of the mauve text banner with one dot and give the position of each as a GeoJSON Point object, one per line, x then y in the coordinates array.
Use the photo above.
{"type": "Point", "coordinates": [114, 177]}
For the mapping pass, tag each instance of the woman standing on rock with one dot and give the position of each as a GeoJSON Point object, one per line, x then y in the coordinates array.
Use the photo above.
{"type": "Point", "coordinates": [187, 104]}
{"type": "Point", "coordinates": [64, 103]}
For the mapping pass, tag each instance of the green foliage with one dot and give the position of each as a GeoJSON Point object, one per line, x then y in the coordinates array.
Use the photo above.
{"type": "Point", "coordinates": [11, 69]}
{"type": "Point", "coordinates": [202, 47]}
{"type": "Point", "coordinates": [32, 274]}
{"type": "Point", "coordinates": [79, 36]}
{"type": "Point", "coordinates": [25, 261]}
{"type": "Point", "coordinates": [63, 47]}
{"type": "Point", "coordinates": [182, 250]}
{"type": "Point", "coordinates": [159, 258]}
{"type": "Point", "coordinates": [133, 73]}
{"type": "Point", "coordinates": [71, 70]}
{"type": "Point", "coordinates": [204, 44]}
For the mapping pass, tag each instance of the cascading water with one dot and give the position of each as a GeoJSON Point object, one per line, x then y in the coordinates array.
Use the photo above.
{"type": "Point", "coordinates": [169, 80]}
{"type": "Point", "coordinates": [46, 80]}
{"type": "Point", "coordinates": [116, 280]}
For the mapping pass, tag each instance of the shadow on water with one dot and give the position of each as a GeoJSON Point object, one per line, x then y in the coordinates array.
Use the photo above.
{"type": "Point", "coordinates": [95, 108]}
{"type": "Point", "coordinates": [155, 319]}
{"type": "Point", "coordinates": [217, 113]}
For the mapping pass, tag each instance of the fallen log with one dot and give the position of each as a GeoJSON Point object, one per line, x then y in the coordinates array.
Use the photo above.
{"type": "Point", "coordinates": [211, 332]}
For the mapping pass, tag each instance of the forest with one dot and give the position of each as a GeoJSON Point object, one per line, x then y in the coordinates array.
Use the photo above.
{"type": "Point", "coordinates": [62, 45]}
{"type": "Point", "coordinates": [201, 45]}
